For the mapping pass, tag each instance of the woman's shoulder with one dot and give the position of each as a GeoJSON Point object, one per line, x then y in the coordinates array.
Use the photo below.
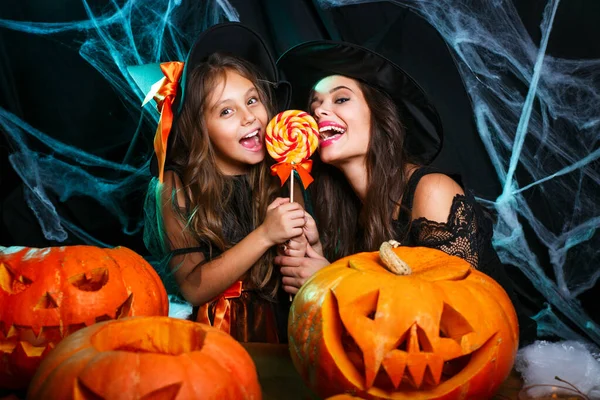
{"type": "Point", "coordinates": [438, 183]}
{"type": "Point", "coordinates": [434, 195]}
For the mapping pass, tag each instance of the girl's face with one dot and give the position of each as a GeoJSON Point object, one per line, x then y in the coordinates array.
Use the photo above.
{"type": "Point", "coordinates": [236, 119]}
{"type": "Point", "coordinates": [344, 119]}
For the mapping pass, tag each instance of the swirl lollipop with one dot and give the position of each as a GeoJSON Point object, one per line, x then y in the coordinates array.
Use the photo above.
{"type": "Point", "coordinates": [292, 137]}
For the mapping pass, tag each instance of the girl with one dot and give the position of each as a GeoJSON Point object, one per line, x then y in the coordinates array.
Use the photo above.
{"type": "Point", "coordinates": [217, 215]}
{"type": "Point", "coordinates": [378, 131]}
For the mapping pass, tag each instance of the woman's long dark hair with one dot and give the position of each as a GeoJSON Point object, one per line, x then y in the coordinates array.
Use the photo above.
{"type": "Point", "coordinates": [209, 193]}
{"type": "Point", "coordinates": [346, 225]}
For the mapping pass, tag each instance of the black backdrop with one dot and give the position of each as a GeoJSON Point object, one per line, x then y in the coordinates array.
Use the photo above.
{"type": "Point", "coordinates": [45, 82]}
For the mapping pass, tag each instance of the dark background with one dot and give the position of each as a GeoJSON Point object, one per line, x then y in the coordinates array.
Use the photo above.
{"type": "Point", "coordinates": [45, 82]}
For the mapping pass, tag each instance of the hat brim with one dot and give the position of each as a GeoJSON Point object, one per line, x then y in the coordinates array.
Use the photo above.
{"type": "Point", "coordinates": [241, 41]}
{"type": "Point", "coordinates": [306, 64]}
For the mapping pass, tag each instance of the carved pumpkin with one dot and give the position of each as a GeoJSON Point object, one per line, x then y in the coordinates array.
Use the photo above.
{"type": "Point", "coordinates": [444, 331]}
{"type": "Point", "coordinates": [147, 358]}
{"type": "Point", "coordinates": [47, 294]}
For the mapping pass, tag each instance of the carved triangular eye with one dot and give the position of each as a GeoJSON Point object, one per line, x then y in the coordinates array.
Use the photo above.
{"type": "Point", "coordinates": [453, 325]}
{"type": "Point", "coordinates": [11, 283]}
{"type": "Point", "coordinates": [91, 281]}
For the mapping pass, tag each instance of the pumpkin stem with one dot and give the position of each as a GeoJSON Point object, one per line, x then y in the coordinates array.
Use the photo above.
{"type": "Point", "coordinates": [392, 262]}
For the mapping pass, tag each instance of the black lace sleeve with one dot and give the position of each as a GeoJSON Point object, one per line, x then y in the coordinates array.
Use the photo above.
{"type": "Point", "coordinates": [465, 234]}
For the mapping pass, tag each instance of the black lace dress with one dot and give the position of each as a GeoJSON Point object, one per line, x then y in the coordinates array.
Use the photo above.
{"type": "Point", "coordinates": [468, 235]}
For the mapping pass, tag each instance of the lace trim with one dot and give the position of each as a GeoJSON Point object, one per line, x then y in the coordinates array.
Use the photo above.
{"type": "Point", "coordinates": [459, 236]}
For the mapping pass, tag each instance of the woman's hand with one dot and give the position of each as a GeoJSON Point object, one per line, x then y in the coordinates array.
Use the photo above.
{"type": "Point", "coordinates": [297, 270]}
{"type": "Point", "coordinates": [312, 234]}
{"type": "Point", "coordinates": [295, 247]}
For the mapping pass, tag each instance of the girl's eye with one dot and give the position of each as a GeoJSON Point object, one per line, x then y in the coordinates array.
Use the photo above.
{"type": "Point", "coordinates": [252, 100]}
{"type": "Point", "coordinates": [225, 112]}
{"type": "Point", "coordinates": [341, 100]}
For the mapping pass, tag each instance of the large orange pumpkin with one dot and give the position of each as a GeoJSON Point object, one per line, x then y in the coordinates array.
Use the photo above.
{"type": "Point", "coordinates": [147, 358]}
{"type": "Point", "coordinates": [444, 331]}
{"type": "Point", "coordinates": [46, 294]}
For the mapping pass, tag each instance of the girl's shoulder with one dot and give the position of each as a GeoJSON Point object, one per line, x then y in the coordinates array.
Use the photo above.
{"type": "Point", "coordinates": [173, 188]}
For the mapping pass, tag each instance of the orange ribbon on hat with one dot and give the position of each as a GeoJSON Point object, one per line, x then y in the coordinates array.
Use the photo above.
{"type": "Point", "coordinates": [222, 318]}
{"type": "Point", "coordinates": [164, 92]}
{"type": "Point", "coordinates": [284, 170]}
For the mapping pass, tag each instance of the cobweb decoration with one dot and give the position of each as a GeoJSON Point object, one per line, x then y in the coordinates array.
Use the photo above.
{"type": "Point", "coordinates": [133, 32]}
{"type": "Point", "coordinates": [539, 119]}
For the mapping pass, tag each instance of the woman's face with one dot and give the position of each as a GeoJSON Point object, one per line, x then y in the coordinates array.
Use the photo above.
{"type": "Point", "coordinates": [236, 118]}
{"type": "Point", "coordinates": [344, 119]}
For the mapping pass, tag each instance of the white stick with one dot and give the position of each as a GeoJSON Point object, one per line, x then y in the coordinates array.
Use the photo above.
{"type": "Point", "coordinates": [292, 188]}
{"type": "Point", "coordinates": [291, 201]}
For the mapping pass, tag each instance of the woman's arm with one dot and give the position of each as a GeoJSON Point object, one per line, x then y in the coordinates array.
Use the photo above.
{"type": "Point", "coordinates": [200, 280]}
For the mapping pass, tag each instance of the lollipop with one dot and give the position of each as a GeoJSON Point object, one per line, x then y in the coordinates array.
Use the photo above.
{"type": "Point", "coordinates": [292, 137]}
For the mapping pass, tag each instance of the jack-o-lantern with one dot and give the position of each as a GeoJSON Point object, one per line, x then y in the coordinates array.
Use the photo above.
{"type": "Point", "coordinates": [147, 358]}
{"type": "Point", "coordinates": [47, 294]}
{"type": "Point", "coordinates": [442, 331]}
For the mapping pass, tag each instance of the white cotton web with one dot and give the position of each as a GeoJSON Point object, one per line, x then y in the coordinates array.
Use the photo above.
{"type": "Point", "coordinates": [539, 119]}
{"type": "Point", "coordinates": [133, 32]}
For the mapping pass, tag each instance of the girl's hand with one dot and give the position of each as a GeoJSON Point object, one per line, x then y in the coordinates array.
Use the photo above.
{"type": "Point", "coordinates": [284, 221]}
{"type": "Point", "coordinates": [297, 270]}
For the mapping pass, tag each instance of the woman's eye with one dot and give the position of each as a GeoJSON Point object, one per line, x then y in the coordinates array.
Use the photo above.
{"type": "Point", "coordinates": [253, 100]}
{"type": "Point", "coordinates": [225, 112]}
{"type": "Point", "coordinates": [341, 100]}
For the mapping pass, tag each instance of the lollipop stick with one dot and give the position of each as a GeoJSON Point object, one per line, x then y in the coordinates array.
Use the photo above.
{"type": "Point", "coordinates": [291, 200]}
{"type": "Point", "coordinates": [292, 188]}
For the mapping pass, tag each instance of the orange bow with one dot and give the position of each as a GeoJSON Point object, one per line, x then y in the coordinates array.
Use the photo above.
{"type": "Point", "coordinates": [164, 92]}
{"type": "Point", "coordinates": [222, 320]}
{"type": "Point", "coordinates": [284, 170]}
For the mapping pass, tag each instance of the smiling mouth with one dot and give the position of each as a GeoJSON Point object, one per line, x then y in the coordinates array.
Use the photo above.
{"type": "Point", "coordinates": [251, 140]}
{"type": "Point", "coordinates": [330, 131]}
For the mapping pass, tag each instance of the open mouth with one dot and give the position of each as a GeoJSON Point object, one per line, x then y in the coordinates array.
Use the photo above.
{"type": "Point", "coordinates": [329, 132]}
{"type": "Point", "coordinates": [252, 141]}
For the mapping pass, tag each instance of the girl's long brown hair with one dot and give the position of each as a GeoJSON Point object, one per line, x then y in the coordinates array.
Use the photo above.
{"type": "Point", "coordinates": [208, 191]}
{"type": "Point", "coordinates": [346, 225]}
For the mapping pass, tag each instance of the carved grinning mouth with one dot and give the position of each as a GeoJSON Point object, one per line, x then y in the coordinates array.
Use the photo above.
{"type": "Point", "coordinates": [34, 341]}
{"type": "Point", "coordinates": [416, 361]}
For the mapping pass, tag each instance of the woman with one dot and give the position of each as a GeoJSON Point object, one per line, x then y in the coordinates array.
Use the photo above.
{"type": "Point", "coordinates": [378, 132]}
